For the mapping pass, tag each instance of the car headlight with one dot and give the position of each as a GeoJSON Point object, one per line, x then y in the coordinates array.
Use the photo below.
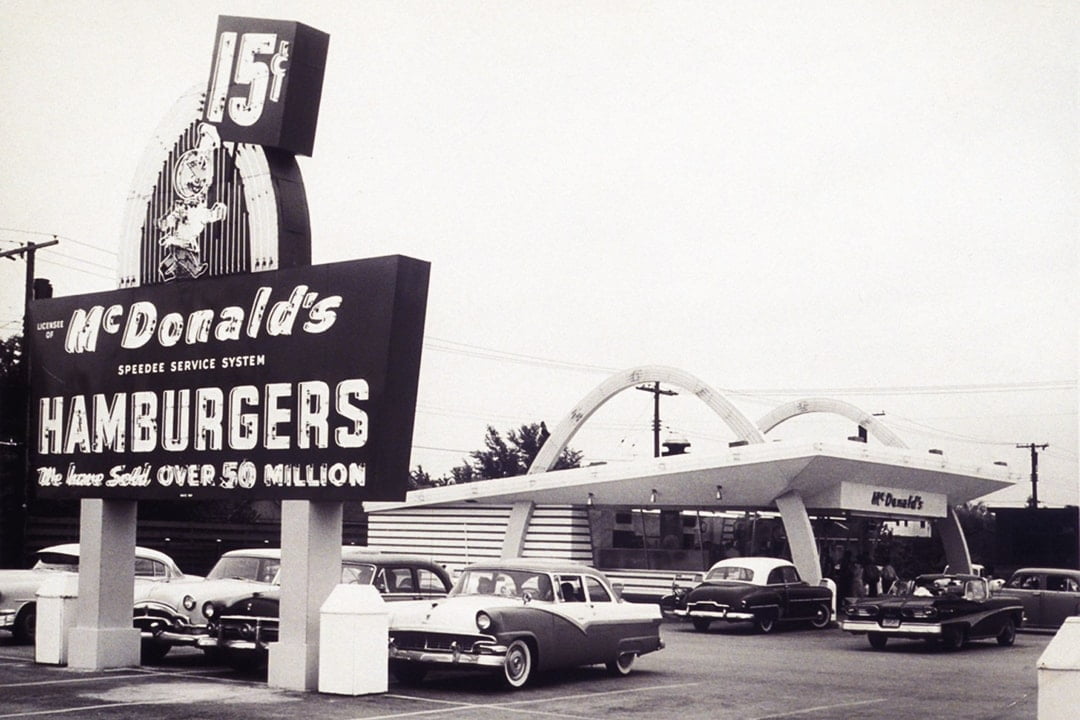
{"type": "Point", "coordinates": [862, 611]}
{"type": "Point", "coordinates": [923, 613]}
{"type": "Point", "coordinates": [208, 609]}
{"type": "Point", "coordinates": [188, 602]}
{"type": "Point", "coordinates": [483, 621]}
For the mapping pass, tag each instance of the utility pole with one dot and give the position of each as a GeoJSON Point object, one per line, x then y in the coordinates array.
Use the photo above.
{"type": "Point", "coordinates": [657, 392]}
{"type": "Point", "coordinates": [13, 507]}
{"type": "Point", "coordinates": [1033, 502]}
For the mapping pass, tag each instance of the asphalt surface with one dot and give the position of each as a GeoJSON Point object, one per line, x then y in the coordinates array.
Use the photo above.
{"type": "Point", "coordinates": [729, 672]}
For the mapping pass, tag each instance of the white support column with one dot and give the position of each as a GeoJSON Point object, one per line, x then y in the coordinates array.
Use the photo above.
{"type": "Point", "coordinates": [103, 635]}
{"type": "Point", "coordinates": [952, 537]}
{"type": "Point", "coordinates": [310, 568]}
{"type": "Point", "coordinates": [516, 529]}
{"type": "Point", "coordinates": [800, 536]}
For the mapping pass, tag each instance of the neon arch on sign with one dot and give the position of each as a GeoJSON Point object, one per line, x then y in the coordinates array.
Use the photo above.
{"type": "Point", "coordinates": [744, 429]}
{"type": "Point", "coordinates": [837, 407]}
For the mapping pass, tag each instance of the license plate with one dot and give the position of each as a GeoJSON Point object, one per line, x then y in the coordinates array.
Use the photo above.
{"type": "Point", "coordinates": [890, 622]}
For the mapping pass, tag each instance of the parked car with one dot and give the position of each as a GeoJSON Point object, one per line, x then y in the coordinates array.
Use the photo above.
{"type": "Point", "coordinates": [1049, 595]}
{"type": "Point", "coordinates": [176, 614]}
{"type": "Point", "coordinates": [519, 616]}
{"type": "Point", "coordinates": [244, 629]}
{"type": "Point", "coordinates": [952, 609]}
{"type": "Point", "coordinates": [18, 588]}
{"type": "Point", "coordinates": [759, 590]}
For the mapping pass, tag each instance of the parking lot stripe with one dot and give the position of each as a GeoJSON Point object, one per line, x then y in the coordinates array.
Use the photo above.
{"type": "Point", "coordinates": [508, 706]}
{"type": "Point", "coordinates": [94, 678]}
{"type": "Point", "coordinates": [80, 709]}
{"type": "Point", "coordinates": [648, 688]}
{"type": "Point", "coordinates": [819, 708]}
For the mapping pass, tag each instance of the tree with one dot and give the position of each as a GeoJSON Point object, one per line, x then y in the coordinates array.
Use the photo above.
{"type": "Point", "coordinates": [12, 448]}
{"type": "Point", "coordinates": [499, 458]}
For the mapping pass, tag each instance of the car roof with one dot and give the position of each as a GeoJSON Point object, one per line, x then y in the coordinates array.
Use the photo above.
{"type": "Point", "coordinates": [271, 553]}
{"type": "Point", "coordinates": [761, 566]}
{"type": "Point", "coordinates": [1063, 571]}
{"type": "Point", "coordinates": [548, 565]}
{"type": "Point", "coordinates": [73, 549]}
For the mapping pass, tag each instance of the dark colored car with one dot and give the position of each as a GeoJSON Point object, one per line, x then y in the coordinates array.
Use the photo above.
{"type": "Point", "coordinates": [175, 614]}
{"type": "Point", "coordinates": [759, 590]}
{"type": "Point", "coordinates": [952, 609]}
{"type": "Point", "coordinates": [243, 629]}
{"type": "Point", "coordinates": [515, 617]}
{"type": "Point", "coordinates": [1049, 595]}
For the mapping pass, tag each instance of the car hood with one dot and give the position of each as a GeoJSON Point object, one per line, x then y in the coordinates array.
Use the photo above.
{"type": "Point", "coordinates": [455, 614]}
{"type": "Point", "coordinates": [264, 604]}
{"type": "Point", "coordinates": [897, 603]}
{"type": "Point", "coordinates": [171, 594]}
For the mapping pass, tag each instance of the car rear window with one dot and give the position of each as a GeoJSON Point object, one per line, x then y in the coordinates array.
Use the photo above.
{"type": "Point", "coordinates": [731, 572]}
{"type": "Point", "coordinates": [56, 561]}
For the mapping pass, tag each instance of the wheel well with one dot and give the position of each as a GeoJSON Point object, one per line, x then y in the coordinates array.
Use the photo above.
{"type": "Point", "coordinates": [534, 646]}
{"type": "Point", "coordinates": [30, 606]}
{"type": "Point", "coordinates": [20, 617]}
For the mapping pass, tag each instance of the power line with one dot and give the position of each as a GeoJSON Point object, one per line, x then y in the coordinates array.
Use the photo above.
{"type": "Point", "coordinates": [58, 237]}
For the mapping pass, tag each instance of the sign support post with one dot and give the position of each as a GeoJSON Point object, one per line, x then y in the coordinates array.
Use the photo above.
{"type": "Point", "coordinates": [103, 636]}
{"type": "Point", "coordinates": [310, 568]}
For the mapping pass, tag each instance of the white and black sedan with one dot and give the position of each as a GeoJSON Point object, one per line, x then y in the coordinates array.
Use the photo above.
{"type": "Point", "coordinates": [519, 616]}
{"type": "Point", "coordinates": [759, 590]}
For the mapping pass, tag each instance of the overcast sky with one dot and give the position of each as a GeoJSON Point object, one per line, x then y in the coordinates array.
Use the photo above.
{"type": "Point", "coordinates": [870, 201]}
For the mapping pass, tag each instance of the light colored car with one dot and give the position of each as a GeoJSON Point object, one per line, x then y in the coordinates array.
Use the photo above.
{"type": "Point", "coordinates": [176, 614]}
{"type": "Point", "coordinates": [517, 616]}
{"type": "Point", "coordinates": [1049, 595]}
{"type": "Point", "coordinates": [245, 629]}
{"type": "Point", "coordinates": [18, 588]}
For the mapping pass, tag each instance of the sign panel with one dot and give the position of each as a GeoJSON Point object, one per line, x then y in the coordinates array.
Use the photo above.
{"type": "Point", "coordinates": [266, 82]}
{"type": "Point", "coordinates": [893, 501]}
{"type": "Point", "coordinates": [291, 384]}
{"type": "Point", "coordinates": [200, 206]}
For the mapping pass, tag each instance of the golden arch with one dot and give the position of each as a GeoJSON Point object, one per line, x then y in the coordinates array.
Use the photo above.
{"type": "Point", "coordinates": [838, 407]}
{"type": "Point", "coordinates": [742, 426]}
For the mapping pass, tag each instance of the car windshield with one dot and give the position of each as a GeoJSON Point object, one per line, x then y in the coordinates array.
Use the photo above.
{"type": "Point", "coordinates": [57, 561]}
{"type": "Point", "coordinates": [731, 572]}
{"type": "Point", "coordinates": [928, 586]}
{"type": "Point", "coordinates": [356, 574]}
{"type": "Point", "coordinates": [505, 583]}
{"type": "Point", "coordinates": [239, 567]}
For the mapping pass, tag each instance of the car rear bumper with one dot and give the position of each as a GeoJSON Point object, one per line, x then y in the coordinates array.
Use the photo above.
{"type": "Point", "coordinates": [904, 628]}
{"type": "Point", "coordinates": [729, 615]}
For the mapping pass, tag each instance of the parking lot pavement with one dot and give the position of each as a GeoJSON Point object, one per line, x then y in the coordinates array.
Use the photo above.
{"type": "Point", "coordinates": [729, 672]}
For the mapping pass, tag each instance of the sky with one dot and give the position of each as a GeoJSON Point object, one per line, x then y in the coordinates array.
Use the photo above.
{"type": "Point", "coordinates": [870, 201]}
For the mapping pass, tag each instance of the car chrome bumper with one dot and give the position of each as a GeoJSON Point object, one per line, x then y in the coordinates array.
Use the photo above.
{"type": "Point", "coordinates": [720, 615]}
{"type": "Point", "coordinates": [7, 619]}
{"type": "Point", "coordinates": [175, 638]}
{"type": "Point", "coordinates": [206, 643]}
{"type": "Point", "coordinates": [494, 659]}
{"type": "Point", "coordinates": [904, 628]}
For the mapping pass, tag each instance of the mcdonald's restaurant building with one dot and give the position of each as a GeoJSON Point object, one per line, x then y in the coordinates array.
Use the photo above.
{"type": "Point", "coordinates": [649, 523]}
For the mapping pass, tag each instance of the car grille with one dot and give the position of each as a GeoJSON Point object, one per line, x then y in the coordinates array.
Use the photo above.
{"type": "Point", "coordinates": [154, 620]}
{"type": "Point", "coordinates": [411, 640]}
{"type": "Point", "coordinates": [250, 629]}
